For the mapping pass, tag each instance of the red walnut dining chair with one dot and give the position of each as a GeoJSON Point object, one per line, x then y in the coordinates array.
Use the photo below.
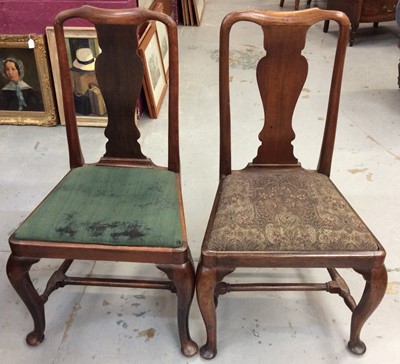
{"type": "Point", "coordinates": [123, 208]}
{"type": "Point", "coordinates": [274, 213]}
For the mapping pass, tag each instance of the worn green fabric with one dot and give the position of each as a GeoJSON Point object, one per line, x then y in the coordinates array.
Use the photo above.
{"type": "Point", "coordinates": [111, 206]}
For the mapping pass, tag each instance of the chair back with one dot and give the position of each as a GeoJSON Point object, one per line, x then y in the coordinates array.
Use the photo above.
{"type": "Point", "coordinates": [119, 72]}
{"type": "Point", "coordinates": [281, 75]}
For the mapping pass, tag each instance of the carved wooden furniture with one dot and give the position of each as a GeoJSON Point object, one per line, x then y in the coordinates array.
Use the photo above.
{"type": "Point", "coordinates": [296, 4]}
{"type": "Point", "coordinates": [363, 11]}
{"type": "Point", "coordinates": [274, 213]}
{"type": "Point", "coordinates": [122, 208]}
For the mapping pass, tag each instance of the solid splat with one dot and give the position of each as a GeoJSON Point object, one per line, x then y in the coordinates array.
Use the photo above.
{"type": "Point", "coordinates": [120, 89]}
{"type": "Point", "coordinates": [281, 75]}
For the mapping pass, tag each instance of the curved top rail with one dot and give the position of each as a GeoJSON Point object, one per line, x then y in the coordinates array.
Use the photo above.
{"type": "Point", "coordinates": [301, 17]}
{"type": "Point", "coordinates": [133, 16]}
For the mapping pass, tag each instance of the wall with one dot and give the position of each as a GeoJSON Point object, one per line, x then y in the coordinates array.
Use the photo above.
{"type": "Point", "coordinates": [32, 17]}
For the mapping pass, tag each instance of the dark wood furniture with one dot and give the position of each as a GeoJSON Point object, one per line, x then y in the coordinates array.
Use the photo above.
{"type": "Point", "coordinates": [170, 7]}
{"type": "Point", "coordinates": [274, 213]}
{"type": "Point", "coordinates": [363, 11]}
{"type": "Point", "coordinates": [296, 4]}
{"type": "Point", "coordinates": [122, 208]}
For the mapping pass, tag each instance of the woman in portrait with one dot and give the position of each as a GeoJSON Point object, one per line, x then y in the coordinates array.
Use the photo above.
{"type": "Point", "coordinates": [17, 94]}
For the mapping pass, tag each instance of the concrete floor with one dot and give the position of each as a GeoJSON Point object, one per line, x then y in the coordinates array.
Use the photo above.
{"type": "Point", "coordinates": [99, 325]}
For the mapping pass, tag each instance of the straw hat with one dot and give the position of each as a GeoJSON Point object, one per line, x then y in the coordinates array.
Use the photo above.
{"type": "Point", "coordinates": [84, 59]}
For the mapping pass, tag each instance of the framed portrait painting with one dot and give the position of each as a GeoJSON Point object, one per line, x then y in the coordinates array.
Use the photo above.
{"type": "Point", "coordinates": [26, 96]}
{"type": "Point", "coordinates": [82, 48]}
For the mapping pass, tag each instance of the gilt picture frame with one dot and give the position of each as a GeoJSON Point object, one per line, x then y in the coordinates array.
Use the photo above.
{"type": "Point", "coordinates": [26, 92]}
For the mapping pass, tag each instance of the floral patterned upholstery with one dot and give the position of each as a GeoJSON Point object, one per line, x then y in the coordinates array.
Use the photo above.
{"type": "Point", "coordinates": [286, 210]}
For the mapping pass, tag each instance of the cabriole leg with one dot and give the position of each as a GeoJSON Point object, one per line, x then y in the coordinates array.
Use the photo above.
{"type": "Point", "coordinates": [352, 36]}
{"type": "Point", "coordinates": [375, 288]}
{"type": "Point", "coordinates": [183, 277]}
{"type": "Point", "coordinates": [205, 289]}
{"type": "Point", "coordinates": [326, 26]}
{"type": "Point", "coordinates": [18, 274]}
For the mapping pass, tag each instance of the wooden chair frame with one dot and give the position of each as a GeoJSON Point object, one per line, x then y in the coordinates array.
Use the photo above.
{"type": "Point", "coordinates": [122, 150]}
{"type": "Point", "coordinates": [274, 154]}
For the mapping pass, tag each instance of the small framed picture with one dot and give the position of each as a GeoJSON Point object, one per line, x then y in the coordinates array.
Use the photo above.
{"type": "Point", "coordinates": [155, 82]}
{"type": "Point", "coordinates": [82, 48]}
{"type": "Point", "coordinates": [26, 96]}
{"type": "Point", "coordinates": [162, 36]}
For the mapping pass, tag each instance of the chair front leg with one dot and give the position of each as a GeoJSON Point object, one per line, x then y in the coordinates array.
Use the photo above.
{"type": "Point", "coordinates": [206, 282]}
{"type": "Point", "coordinates": [18, 274]}
{"type": "Point", "coordinates": [183, 278]}
{"type": "Point", "coordinates": [375, 288]}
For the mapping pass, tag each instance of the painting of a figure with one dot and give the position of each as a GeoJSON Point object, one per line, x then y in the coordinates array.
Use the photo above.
{"type": "Point", "coordinates": [82, 52]}
{"type": "Point", "coordinates": [19, 84]}
{"type": "Point", "coordinates": [26, 89]}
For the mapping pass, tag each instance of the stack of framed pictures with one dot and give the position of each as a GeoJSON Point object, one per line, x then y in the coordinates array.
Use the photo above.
{"type": "Point", "coordinates": [83, 49]}
{"type": "Point", "coordinates": [192, 11]}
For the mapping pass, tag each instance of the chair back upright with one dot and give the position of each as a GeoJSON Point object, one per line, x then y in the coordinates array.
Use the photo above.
{"type": "Point", "coordinates": [281, 75]}
{"type": "Point", "coordinates": [119, 72]}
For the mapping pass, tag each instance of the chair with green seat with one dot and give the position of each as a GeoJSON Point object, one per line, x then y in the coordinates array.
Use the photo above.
{"type": "Point", "coordinates": [274, 213]}
{"type": "Point", "coordinates": [123, 208]}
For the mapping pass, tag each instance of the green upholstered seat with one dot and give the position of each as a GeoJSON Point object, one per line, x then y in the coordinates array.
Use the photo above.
{"type": "Point", "coordinates": [111, 206]}
{"type": "Point", "coordinates": [123, 208]}
{"type": "Point", "coordinates": [286, 210]}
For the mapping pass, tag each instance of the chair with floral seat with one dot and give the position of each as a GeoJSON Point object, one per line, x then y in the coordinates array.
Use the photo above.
{"type": "Point", "coordinates": [274, 213]}
{"type": "Point", "coordinates": [123, 208]}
